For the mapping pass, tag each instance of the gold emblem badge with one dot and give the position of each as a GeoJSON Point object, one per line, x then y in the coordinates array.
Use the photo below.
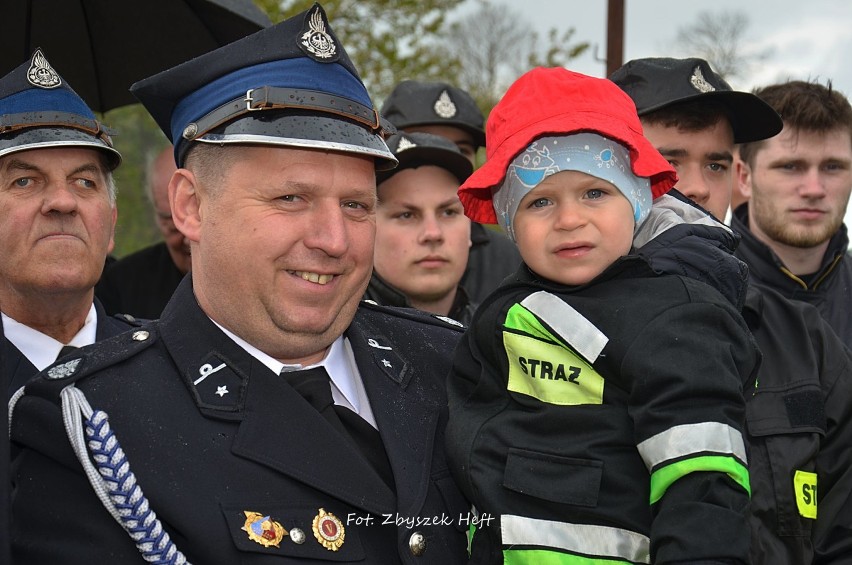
{"type": "Point", "coordinates": [263, 529]}
{"type": "Point", "coordinates": [328, 529]}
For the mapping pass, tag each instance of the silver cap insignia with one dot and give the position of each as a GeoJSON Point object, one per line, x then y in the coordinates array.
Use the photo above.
{"type": "Point", "coordinates": [63, 370]}
{"type": "Point", "coordinates": [316, 40]}
{"type": "Point", "coordinates": [41, 74]}
{"type": "Point", "coordinates": [404, 144]}
{"type": "Point", "coordinates": [698, 81]}
{"type": "Point", "coordinates": [444, 106]}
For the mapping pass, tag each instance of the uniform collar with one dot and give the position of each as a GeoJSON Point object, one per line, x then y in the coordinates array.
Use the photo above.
{"type": "Point", "coordinates": [40, 349]}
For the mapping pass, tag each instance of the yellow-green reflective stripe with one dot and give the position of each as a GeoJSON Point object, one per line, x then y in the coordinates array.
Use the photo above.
{"type": "Point", "coordinates": [544, 557]}
{"type": "Point", "coordinates": [599, 541]}
{"type": "Point", "coordinates": [690, 439]}
{"type": "Point", "coordinates": [574, 328]}
{"type": "Point", "coordinates": [663, 478]}
{"type": "Point", "coordinates": [520, 319]}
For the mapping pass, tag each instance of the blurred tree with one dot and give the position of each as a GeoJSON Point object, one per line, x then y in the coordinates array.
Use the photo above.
{"type": "Point", "coordinates": [387, 40]}
{"type": "Point", "coordinates": [137, 137]}
{"type": "Point", "coordinates": [496, 45]}
{"type": "Point", "coordinates": [721, 39]}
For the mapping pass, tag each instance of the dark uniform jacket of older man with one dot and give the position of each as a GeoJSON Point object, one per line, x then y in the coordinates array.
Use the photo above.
{"type": "Point", "coordinates": [215, 465]}
{"type": "Point", "coordinates": [18, 369]}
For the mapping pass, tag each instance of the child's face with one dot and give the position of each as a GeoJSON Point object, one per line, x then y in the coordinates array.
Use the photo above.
{"type": "Point", "coordinates": [572, 226]}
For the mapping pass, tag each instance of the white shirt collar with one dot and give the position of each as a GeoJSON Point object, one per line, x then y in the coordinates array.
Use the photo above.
{"type": "Point", "coordinates": [40, 349]}
{"type": "Point", "coordinates": [339, 362]}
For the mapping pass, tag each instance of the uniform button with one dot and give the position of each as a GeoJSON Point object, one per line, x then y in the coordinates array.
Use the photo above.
{"type": "Point", "coordinates": [417, 544]}
{"type": "Point", "coordinates": [141, 335]}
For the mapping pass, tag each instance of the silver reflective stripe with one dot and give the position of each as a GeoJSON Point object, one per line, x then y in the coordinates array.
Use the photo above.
{"type": "Point", "coordinates": [689, 439]}
{"type": "Point", "coordinates": [598, 541]}
{"type": "Point", "coordinates": [573, 327]}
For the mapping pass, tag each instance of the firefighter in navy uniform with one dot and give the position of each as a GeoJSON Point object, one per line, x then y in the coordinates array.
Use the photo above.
{"type": "Point", "coordinates": [269, 416]}
{"type": "Point", "coordinates": [446, 110]}
{"type": "Point", "coordinates": [596, 408]}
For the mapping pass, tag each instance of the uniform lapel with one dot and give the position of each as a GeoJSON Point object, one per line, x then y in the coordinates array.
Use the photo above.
{"type": "Point", "coordinates": [282, 431]}
{"type": "Point", "coordinates": [278, 428]}
{"type": "Point", "coordinates": [405, 410]}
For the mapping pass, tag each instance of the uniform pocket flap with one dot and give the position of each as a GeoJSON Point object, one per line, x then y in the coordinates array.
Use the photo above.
{"type": "Point", "coordinates": [789, 410]}
{"type": "Point", "coordinates": [555, 478]}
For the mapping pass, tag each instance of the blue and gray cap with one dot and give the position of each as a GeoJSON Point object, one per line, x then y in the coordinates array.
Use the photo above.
{"type": "Point", "coordinates": [290, 84]}
{"type": "Point", "coordinates": [39, 110]}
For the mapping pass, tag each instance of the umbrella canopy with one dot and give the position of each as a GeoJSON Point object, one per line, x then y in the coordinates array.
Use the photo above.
{"type": "Point", "coordinates": [101, 47]}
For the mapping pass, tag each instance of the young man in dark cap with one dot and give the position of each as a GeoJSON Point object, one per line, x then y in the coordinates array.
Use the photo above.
{"type": "Point", "coordinates": [442, 109]}
{"type": "Point", "coordinates": [269, 415]}
{"type": "Point", "coordinates": [799, 419]}
{"type": "Point", "coordinates": [422, 234]}
{"type": "Point", "coordinates": [798, 184]}
{"type": "Point", "coordinates": [58, 199]}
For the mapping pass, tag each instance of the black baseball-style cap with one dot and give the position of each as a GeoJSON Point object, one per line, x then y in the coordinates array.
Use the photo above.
{"type": "Point", "coordinates": [417, 149]}
{"type": "Point", "coordinates": [291, 84]}
{"type": "Point", "coordinates": [656, 83]}
{"type": "Point", "coordinates": [417, 103]}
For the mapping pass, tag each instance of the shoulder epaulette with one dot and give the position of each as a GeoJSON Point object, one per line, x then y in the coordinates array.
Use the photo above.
{"type": "Point", "coordinates": [90, 359]}
{"type": "Point", "coordinates": [413, 315]}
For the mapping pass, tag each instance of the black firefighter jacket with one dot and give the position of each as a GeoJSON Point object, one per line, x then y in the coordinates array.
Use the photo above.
{"type": "Point", "coordinates": [604, 421]}
{"type": "Point", "coordinates": [798, 411]}
{"type": "Point", "coordinates": [218, 467]}
{"type": "Point", "coordinates": [830, 289]}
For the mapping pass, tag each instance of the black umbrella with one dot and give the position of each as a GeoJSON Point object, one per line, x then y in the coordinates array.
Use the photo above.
{"type": "Point", "coordinates": [101, 47]}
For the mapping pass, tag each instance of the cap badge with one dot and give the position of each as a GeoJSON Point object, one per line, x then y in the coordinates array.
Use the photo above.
{"type": "Point", "coordinates": [444, 106]}
{"type": "Point", "coordinates": [699, 82]}
{"type": "Point", "coordinates": [404, 143]}
{"type": "Point", "coordinates": [41, 74]}
{"type": "Point", "coordinates": [263, 530]}
{"type": "Point", "coordinates": [316, 40]}
{"type": "Point", "coordinates": [328, 529]}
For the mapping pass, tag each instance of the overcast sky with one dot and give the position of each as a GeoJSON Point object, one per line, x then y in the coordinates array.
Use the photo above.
{"type": "Point", "coordinates": [808, 39]}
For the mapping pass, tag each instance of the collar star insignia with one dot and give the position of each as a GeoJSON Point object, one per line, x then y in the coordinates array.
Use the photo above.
{"type": "Point", "coordinates": [222, 391]}
{"type": "Point", "coordinates": [386, 363]}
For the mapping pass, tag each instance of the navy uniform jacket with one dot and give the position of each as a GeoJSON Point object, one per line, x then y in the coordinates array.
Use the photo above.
{"type": "Point", "coordinates": [205, 459]}
{"type": "Point", "coordinates": [18, 369]}
{"type": "Point", "coordinates": [140, 284]}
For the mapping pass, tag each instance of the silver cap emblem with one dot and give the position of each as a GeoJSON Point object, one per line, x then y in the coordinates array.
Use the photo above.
{"type": "Point", "coordinates": [316, 40]}
{"type": "Point", "coordinates": [699, 82]}
{"type": "Point", "coordinates": [41, 74]}
{"type": "Point", "coordinates": [404, 144]}
{"type": "Point", "coordinates": [444, 106]}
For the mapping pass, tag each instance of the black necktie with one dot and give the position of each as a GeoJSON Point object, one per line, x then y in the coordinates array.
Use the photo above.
{"type": "Point", "coordinates": [66, 350]}
{"type": "Point", "coordinates": [315, 386]}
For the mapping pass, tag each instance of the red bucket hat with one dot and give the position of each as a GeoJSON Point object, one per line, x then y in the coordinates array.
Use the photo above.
{"type": "Point", "coordinates": [556, 101]}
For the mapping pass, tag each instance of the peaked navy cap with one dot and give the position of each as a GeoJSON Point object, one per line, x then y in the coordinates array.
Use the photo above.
{"type": "Point", "coordinates": [38, 110]}
{"type": "Point", "coordinates": [418, 149]}
{"type": "Point", "coordinates": [656, 83]}
{"type": "Point", "coordinates": [290, 84]}
{"type": "Point", "coordinates": [418, 103]}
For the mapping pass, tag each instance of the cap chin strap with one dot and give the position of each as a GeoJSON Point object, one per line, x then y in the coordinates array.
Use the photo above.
{"type": "Point", "coordinates": [16, 122]}
{"type": "Point", "coordinates": [279, 98]}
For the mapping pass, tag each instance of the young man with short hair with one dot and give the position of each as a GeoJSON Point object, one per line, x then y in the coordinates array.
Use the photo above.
{"type": "Point", "coordinates": [798, 414]}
